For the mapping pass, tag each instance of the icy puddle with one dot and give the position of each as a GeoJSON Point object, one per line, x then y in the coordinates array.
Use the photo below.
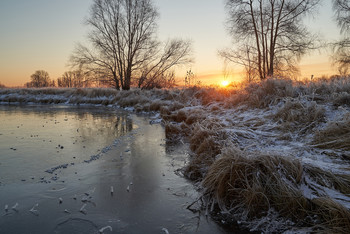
{"type": "Point", "coordinates": [91, 170]}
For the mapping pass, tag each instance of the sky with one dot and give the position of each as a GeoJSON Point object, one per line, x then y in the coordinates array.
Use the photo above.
{"type": "Point", "coordinates": [41, 35]}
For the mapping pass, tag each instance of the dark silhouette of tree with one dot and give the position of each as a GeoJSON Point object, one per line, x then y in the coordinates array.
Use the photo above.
{"type": "Point", "coordinates": [124, 45]}
{"type": "Point", "coordinates": [269, 34]}
{"type": "Point", "coordinates": [76, 79]}
{"type": "Point", "coordinates": [40, 79]}
{"type": "Point", "coordinates": [66, 80]}
{"type": "Point", "coordinates": [341, 55]}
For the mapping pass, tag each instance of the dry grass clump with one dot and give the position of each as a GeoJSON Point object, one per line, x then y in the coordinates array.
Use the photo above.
{"type": "Point", "coordinates": [336, 135]}
{"type": "Point", "coordinates": [239, 98]}
{"type": "Point", "coordinates": [62, 95]}
{"type": "Point", "coordinates": [42, 91]}
{"type": "Point", "coordinates": [272, 91]}
{"type": "Point", "coordinates": [340, 182]}
{"type": "Point", "coordinates": [168, 94]}
{"type": "Point", "coordinates": [328, 86]}
{"type": "Point", "coordinates": [164, 111]}
{"type": "Point", "coordinates": [157, 104]}
{"type": "Point", "coordinates": [205, 148]}
{"type": "Point", "coordinates": [176, 106]}
{"type": "Point", "coordinates": [203, 141]}
{"type": "Point", "coordinates": [198, 166]}
{"type": "Point", "coordinates": [174, 131]}
{"type": "Point", "coordinates": [269, 92]}
{"type": "Point", "coordinates": [256, 183]}
{"type": "Point", "coordinates": [4, 91]}
{"type": "Point", "coordinates": [100, 92]}
{"type": "Point", "coordinates": [40, 95]}
{"type": "Point", "coordinates": [173, 112]}
{"type": "Point", "coordinates": [129, 100]}
{"type": "Point", "coordinates": [210, 95]}
{"type": "Point", "coordinates": [335, 218]}
{"type": "Point", "coordinates": [195, 116]}
{"type": "Point", "coordinates": [296, 114]}
{"type": "Point", "coordinates": [262, 94]}
{"type": "Point", "coordinates": [341, 99]}
{"type": "Point", "coordinates": [91, 92]}
{"type": "Point", "coordinates": [181, 116]}
{"type": "Point", "coordinates": [176, 116]}
{"type": "Point", "coordinates": [189, 116]}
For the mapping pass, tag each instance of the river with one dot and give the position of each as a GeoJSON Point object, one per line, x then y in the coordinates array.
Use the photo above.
{"type": "Point", "coordinates": [67, 169]}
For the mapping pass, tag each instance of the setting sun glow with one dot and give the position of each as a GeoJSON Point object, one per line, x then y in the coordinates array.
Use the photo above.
{"type": "Point", "coordinates": [224, 83]}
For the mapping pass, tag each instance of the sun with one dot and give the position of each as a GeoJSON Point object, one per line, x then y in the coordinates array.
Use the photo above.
{"type": "Point", "coordinates": [224, 83]}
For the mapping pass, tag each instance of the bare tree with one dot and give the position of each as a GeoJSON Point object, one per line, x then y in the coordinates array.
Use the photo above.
{"type": "Point", "coordinates": [40, 79]}
{"type": "Point", "coordinates": [66, 80]}
{"type": "Point", "coordinates": [124, 44]}
{"type": "Point", "coordinates": [269, 34]}
{"type": "Point", "coordinates": [341, 55]}
{"type": "Point", "coordinates": [75, 79]}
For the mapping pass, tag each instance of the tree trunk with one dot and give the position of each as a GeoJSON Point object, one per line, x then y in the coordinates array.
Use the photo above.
{"type": "Point", "coordinates": [116, 81]}
{"type": "Point", "coordinates": [264, 55]}
{"type": "Point", "coordinates": [127, 79]}
{"type": "Point", "coordinates": [274, 34]}
{"type": "Point", "coordinates": [257, 40]}
{"type": "Point", "coordinates": [272, 47]}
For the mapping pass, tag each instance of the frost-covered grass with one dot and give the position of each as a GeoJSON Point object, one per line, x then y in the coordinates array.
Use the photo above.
{"type": "Point", "coordinates": [336, 135]}
{"type": "Point", "coordinates": [272, 155]}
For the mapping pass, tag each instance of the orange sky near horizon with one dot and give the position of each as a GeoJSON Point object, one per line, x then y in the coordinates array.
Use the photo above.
{"type": "Point", "coordinates": [208, 78]}
{"type": "Point", "coordinates": [307, 70]}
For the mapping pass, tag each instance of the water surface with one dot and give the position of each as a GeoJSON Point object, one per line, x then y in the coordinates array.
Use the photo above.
{"type": "Point", "coordinates": [99, 148]}
{"type": "Point", "coordinates": [33, 138]}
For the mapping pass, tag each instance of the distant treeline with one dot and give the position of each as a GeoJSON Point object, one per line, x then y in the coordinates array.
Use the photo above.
{"type": "Point", "coordinates": [69, 79]}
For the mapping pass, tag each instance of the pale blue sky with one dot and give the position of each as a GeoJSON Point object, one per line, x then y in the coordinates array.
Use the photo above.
{"type": "Point", "coordinates": [40, 34]}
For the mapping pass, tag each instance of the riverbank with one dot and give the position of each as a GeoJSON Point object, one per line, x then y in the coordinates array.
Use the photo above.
{"type": "Point", "coordinates": [271, 156]}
